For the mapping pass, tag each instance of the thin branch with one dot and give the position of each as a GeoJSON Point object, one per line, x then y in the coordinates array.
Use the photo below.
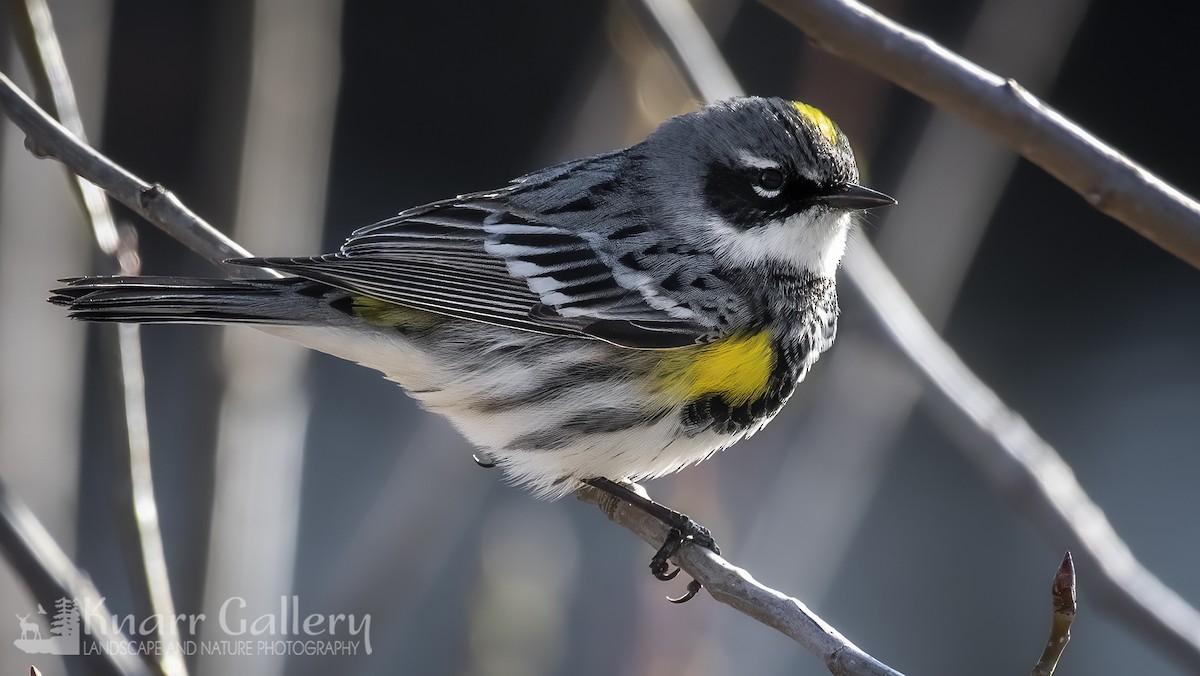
{"type": "Point", "coordinates": [1026, 469]}
{"type": "Point", "coordinates": [35, 34]}
{"type": "Point", "coordinates": [40, 45]}
{"type": "Point", "coordinates": [1107, 179]}
{"type": "Point", "coordinates": [1022, 465]}
{"type": "Point", "coordinates": [50, 575]}
{"type": "Point", "coordinates": [48, 138]}
{"type": "Point", "coordinates": [1062, 595]}
{"type": "Point", "coordinates": [735, 587]}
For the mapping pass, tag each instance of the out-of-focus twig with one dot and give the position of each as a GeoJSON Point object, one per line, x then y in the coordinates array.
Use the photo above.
{"type": "Point", "coordinates": [50, 575]}
{"type": "Point", "coordinates": [1062, 594]}
{"type": "Point", "coordinates": [1012, 456]}
{"type": "Point", "coordinates": [735, 587]}
{"type": "Point", "coordinates": [39, 44]}
{"type": "Point", "coordinates": [48, 138]}
{"type": "Point", "coordinates": [265, 404]}
{"type": "Point", "coordinates": [1107, 179]}
{"type": "Point", "coordinates": [1026, 469]}
{"type": "Point", "coordinates": [35, 34]}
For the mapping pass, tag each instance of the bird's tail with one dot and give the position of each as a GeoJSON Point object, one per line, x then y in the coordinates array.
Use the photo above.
{"type": "Point", "coordinates": [161, 300]}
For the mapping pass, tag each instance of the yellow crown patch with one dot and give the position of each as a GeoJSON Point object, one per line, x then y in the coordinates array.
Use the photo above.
{"type": "Point", "coordinates": [820, 120]}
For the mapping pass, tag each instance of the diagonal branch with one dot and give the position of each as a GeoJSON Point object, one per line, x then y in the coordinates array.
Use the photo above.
{"type": "Point", "coordinates": [47, 138]}
{"type": "Point", "coordinates": [1027, 470]}
{"type": "Point", "coordinates": [50, 576]}
{"type": "Point", "coordinates": [1107, 179]}
{"type": "Point", "coordinates": [735, 587]}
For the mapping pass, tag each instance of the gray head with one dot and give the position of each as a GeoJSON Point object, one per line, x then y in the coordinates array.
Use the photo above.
{"type": "Point", "coordinates": [757, 180]}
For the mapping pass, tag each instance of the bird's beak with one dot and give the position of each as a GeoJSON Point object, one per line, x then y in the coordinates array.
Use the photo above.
{"type": "Point", "coordinates": [854, 197]}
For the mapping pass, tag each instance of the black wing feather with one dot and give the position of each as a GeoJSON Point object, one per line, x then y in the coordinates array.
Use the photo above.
{"type": "Point", "coordinates": [478, 258]}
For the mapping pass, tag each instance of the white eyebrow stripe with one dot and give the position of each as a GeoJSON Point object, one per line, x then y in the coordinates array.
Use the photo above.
{"type": "Point", "coordinates": [757, 162]}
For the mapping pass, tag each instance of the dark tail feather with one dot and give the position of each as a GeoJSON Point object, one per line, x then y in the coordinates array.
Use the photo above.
{"type": "Point", "coordinates": [198, 301]}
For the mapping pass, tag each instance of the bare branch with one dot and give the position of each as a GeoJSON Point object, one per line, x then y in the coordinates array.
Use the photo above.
{"type": "Point", "coordinates": [1107, 179]}
{"type": "Point", "coordinates": [1062, 594]}
{"type": "Point", "coordinates": [50, 575]}
{"type": "Point", "coordinates": [735, 587]}
{"type": "Point", "coordinates": [1026, 469]}
{"type": "Point", "coordinates": [48, 138]}
{"type": "Point", "coordinates": [1022, 465]}
{"type": "Point", "coordinates": [39, 46]}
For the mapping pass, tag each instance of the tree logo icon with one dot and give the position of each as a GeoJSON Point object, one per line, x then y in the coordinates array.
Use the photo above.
{"type": "Point", "coordinates": [64, 631]}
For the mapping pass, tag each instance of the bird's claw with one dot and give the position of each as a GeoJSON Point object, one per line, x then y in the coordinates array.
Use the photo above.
{"type": "Point", "coordinates": [693, 588]}
{"type": "Point", "coordinates": [658, 564]}
{"type": "Point", "coordinates": [683, 530]}
{"type": "Point", "coordinates": [690, 532]}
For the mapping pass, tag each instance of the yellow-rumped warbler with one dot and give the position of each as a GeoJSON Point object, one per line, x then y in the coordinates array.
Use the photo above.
{"type": "Point", "coordinates": [619, 316]}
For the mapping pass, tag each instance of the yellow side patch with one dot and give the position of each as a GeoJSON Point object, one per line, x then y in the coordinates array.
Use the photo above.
{"type": "Point", "coordinates": [383, 313]}
{"type": "Point", "coordinates": [737, 368]}
{"type": "Point", "coordinates": [820, 120]}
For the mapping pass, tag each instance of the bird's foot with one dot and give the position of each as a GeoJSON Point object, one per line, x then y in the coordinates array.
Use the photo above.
{"type": "Point", "coordinates": [683, 531]}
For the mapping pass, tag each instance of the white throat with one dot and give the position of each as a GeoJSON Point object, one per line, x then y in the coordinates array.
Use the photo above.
{"type": "Point", "coordinates": [804, 241]}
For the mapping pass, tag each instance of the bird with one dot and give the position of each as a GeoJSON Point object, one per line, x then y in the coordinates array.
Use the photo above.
{"type": "Point", "coordinates": [602, 321]}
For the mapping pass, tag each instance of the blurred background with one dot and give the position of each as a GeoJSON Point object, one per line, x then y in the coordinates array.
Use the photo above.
{"type": "Point", "coordinates": [280, 473]}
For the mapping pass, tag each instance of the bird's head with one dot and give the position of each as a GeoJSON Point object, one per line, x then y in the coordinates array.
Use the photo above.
{"type": "Point", "coordinates": [757, 181]}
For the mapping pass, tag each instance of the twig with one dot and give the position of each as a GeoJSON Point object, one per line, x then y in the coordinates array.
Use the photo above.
{"type": "Point", "coordinates": [1107, 179]}
{"type": "Point", "coordinates": [48, 138]}
{"type": "Point", "coordinates": [50, 575]}
{"type": "Point", "coordinates": [1062, 594]}
{"type": "Point", "coordinates": [39, 44]}
{"type": "Point", "coordinates": [735, 587]}
{"type": "Point", "coordinates": [35, 34]}
{"type": "Point", "coordinates": [1026, 469]}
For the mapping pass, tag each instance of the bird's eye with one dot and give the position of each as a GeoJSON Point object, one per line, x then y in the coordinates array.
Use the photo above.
{"type": "Point", "coordinates": [770, 179]}
{"type": "Point", "coordinates": [768, 182]}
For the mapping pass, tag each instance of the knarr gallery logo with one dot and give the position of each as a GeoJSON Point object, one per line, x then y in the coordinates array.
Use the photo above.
{"type": "Point", "coordinates": [84, 628]}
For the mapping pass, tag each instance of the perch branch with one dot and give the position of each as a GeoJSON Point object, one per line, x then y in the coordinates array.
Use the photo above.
{"type": "Point", "coordinates": [735, 587]}
{"type": "Point", "coordinates": [1107, 179]}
